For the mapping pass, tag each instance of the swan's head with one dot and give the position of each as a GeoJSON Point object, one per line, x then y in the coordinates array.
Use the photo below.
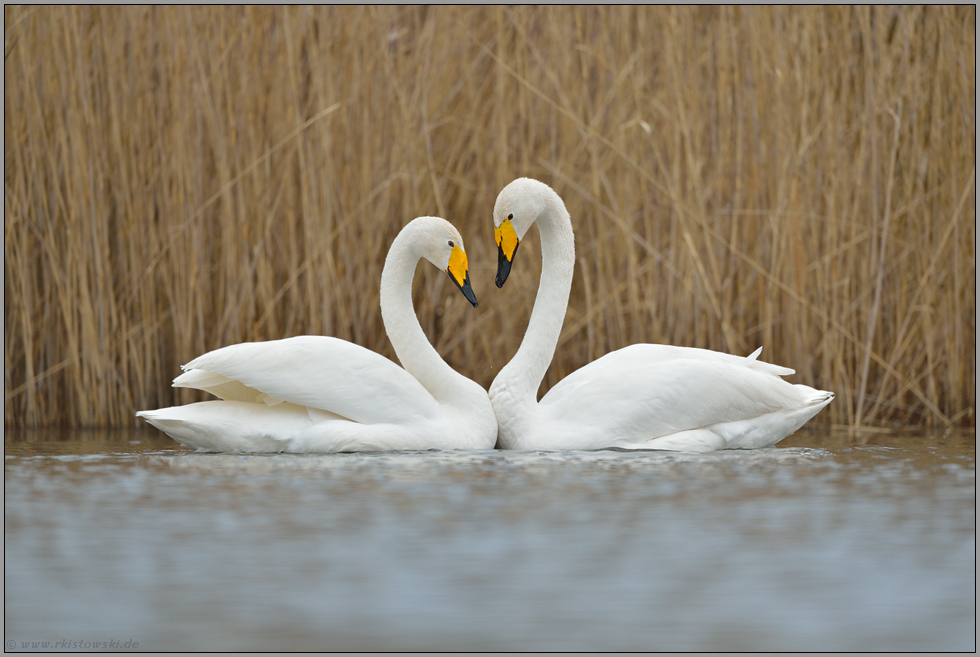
{"type": "Point", "coordinates": [518, 205]}
{"type": "Point", "coordinates": [439, 242]}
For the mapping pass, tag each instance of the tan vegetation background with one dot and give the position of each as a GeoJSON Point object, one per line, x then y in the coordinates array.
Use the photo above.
{"type": "Point", "coordinates": [177, 179]}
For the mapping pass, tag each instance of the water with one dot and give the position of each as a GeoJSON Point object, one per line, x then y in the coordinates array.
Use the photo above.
{"type": "Point", "coordinates": [830, 542]}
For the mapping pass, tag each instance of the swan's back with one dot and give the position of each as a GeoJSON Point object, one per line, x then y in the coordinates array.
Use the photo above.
{"type": "Point", "coordinates": [313, 371]}
{"type": "Point", "coordinates": [644, 392]}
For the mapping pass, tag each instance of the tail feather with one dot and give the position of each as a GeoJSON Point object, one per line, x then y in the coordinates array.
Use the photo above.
{"type": "Point", "coordinates": [822, 398]}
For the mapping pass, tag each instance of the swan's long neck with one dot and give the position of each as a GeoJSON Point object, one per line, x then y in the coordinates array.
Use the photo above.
{"type": "Point", "coordinates": [525, 372]}
{"type": "Point", "coordinates": [412, 347]}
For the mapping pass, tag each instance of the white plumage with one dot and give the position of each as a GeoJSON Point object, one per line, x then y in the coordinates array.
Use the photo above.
{"type": "Point", "coordinates": [645, 396]}
{"type": "Point", "coordinates": [323, 394]}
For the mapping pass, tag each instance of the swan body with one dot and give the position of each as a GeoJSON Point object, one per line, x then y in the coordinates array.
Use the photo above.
{"type": "Point", "coordinates": [322, 394]}
{"type": "Point", "coordinates": [645, 396]}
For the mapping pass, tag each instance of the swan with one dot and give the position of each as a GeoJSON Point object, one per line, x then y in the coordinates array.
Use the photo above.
{"type": "Point", "coordinates": [645, 396]}
{"type": "Point", "coordinates": [322, 394]}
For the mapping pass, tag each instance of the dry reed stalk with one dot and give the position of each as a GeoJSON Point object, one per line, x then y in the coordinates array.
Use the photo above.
{"type": "Point", "coordinates": [182, 178]}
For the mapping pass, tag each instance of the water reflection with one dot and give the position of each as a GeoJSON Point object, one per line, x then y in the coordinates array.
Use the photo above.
{"type": "Point", "coordinates": [832, 541]}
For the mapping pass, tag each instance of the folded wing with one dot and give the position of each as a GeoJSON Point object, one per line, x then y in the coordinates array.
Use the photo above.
{"type": "Point", "coordinates": [318, 372]}
{"type": "Point", "coordinates": [647, 391]}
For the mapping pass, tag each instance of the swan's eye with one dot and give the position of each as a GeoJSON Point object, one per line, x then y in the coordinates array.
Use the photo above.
{"type": "Point", "coordinates": [451, 243]}
{"type": "Point", "coordinates": [511, 216]}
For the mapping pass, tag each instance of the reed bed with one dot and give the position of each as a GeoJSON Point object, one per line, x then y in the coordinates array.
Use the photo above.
{"type": "Point", "coordinates": [177, 179]}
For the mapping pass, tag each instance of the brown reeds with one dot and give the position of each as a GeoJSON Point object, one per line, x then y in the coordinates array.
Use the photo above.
{"type": "Point", "coordinates": [178, 179]}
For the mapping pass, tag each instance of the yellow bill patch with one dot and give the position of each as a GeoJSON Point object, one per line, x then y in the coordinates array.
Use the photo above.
{"type": "Point", "coordinates": [458, 265]}
{"type": "Point", "coordinates": [506, 238]}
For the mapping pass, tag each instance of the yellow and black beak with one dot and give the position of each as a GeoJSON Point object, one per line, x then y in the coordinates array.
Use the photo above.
{"type": "Point", "coordinates": [507, 244]}
{"type": "Point", "coordinates": [458, 270]}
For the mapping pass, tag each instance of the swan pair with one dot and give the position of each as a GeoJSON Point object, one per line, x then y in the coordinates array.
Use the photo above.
{"type": "Point", "coordinates": [321, 394]}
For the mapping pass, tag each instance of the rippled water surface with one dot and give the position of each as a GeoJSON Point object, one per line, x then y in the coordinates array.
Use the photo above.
{"type": "Point", "coordinates": [832, 541]}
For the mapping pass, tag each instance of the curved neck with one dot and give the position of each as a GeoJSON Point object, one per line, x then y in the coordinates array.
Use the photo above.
{"type": "Point", "coordinates": [526, 370]}
{"type": "Point", "coordinates": [414, 351]}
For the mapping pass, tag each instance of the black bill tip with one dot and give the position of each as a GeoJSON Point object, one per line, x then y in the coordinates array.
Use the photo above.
{"type": "Point", "coordinates": [465, 288]}
{"type": "Point", "coordinates": [503, 267]}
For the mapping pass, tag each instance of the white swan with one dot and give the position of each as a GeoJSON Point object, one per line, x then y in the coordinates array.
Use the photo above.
{"type": "Point", "coordinates": [323, 394]}
{"type": "Point", "coordinates": [644, 396]}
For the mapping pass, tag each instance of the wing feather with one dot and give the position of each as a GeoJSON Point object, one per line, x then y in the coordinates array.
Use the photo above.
{"type": "Point", "coordinates": [319, 372]}
{"type": "Point", "coordinates": [657, 390]}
